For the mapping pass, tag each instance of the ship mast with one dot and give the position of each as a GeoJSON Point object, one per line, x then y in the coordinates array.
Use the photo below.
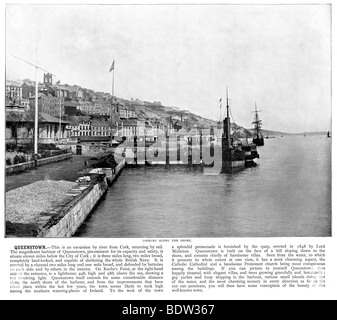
{"type": "Point", "coordinates": [257, 122]}
{"type": "Point", "coordinates": [227, 123]}
{"type": "Point", "coordinates": [228, 119]}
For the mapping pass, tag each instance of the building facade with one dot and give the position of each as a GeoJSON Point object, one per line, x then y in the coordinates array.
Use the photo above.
{"type": "Point", "coordinates": [28, 90]}
{"type": "Point", "coordinates": [47, 79]}
{"type": "Point", "coordinates": [79, 128]}
{"type": "Point", "coordinates": [126, 113]}
{"type": "Point", "coordinates": [25, 104]}
{"type": "Point", "coordinates": [50, 130]}
{"type": "Point", "coordinates": [53, 106]}
{"type": "Point", "coordinates": [100, 128]}
{"type": "Point", "coordinates": [13, 92]}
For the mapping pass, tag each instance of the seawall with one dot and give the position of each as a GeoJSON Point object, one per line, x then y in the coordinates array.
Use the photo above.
{"type": "Point", "coordinates": [86, 196]}
{"type": "Point", "coordinates": [20, 167]}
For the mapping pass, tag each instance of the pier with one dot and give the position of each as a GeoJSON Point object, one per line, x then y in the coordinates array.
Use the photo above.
{"type": "Point", "coordinates": [42, 207]}
{"type": "Point", "coordinates": [86, 196]}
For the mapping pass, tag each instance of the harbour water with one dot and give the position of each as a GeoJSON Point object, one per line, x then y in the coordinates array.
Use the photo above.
{"type": "Point", "coordinates": [288, 194]}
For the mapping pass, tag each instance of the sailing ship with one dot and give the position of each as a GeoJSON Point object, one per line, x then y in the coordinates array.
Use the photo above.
{"type": "Point", "coordinates": [235, 154]}
{"type": "Point", "coordinates": [258, 137]}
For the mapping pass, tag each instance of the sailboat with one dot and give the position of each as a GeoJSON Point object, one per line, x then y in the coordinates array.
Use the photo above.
{"type": "Point", "coordinates": [258, 137]}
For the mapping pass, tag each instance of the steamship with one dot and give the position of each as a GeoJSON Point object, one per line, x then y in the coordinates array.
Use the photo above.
{"type": "Point", "coordinates": [235, 154]}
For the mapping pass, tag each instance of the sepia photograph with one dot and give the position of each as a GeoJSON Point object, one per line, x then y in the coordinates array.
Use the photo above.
{"type": "Point", "coordinates": [167, 121]}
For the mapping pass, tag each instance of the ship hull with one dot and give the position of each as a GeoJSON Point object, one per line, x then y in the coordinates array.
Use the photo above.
{"type": "Point", "coordinates": [258, 141]}
{"type": "Point", "coordinates": [227, 165]}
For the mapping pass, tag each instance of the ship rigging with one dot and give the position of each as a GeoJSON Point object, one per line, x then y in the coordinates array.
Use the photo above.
{"type": "Point", "coordinates": [258, 137]}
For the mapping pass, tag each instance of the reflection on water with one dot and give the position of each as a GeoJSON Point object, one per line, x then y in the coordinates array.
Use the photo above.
{"type": "Point", "coordinates": [287, 194]}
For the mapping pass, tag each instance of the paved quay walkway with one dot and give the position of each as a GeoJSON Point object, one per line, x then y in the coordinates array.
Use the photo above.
{"type": "Point", "coordinates": [68, 170]}
{"type": "Point", "coordinates": [34, 196]}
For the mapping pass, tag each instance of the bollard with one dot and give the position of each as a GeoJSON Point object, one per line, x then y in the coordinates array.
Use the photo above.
{"type": "Point", "coordinates": [35, 160]}
{"type": "Point", "coordinates": [178, 148]}
{"type": "Point", "coordinates": [167, 150]}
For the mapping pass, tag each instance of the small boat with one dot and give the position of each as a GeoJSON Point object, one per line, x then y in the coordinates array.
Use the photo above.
{"type": "Point", "coordinates": [258, 137]}
{"type": "Point", "coordinates": [329, 134]}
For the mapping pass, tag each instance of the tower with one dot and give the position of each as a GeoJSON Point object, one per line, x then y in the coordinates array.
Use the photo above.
{"type": "Point", "coordinates": [47, 79]}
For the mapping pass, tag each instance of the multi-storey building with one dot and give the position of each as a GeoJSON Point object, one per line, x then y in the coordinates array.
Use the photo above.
{"type": "Point", "coordinates": [84, 128]}
{"type": "Point", "coordinates": [126, 113]}
{"type": "Point", "coordinates": [24, 103]}
{"type": "Point", "coordinates": [75, 92]}
{"type": "Point", "coordinates": [51, 105]}
{"type": "Point", "coordinates": [28, 90]}
{"type": "Point", "coordinates": [70, 108]}
{"type": "Point", "coordinates": [130, 128]}
{"type": "Point", "coordinates": [13, 92]}
{"type": "Point", "coordinates": [79, 126]}
{"type": "Point", "coordinates": [86, 106]}
{"type": "Point", "coordinates": [102, 108]}
{"type": "Point", "coordinates": [100, 128]}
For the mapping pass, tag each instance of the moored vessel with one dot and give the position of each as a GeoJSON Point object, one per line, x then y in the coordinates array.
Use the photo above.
{"type": "Point", "coordinates": [258, 137]}
{"type": "Point", "coordinates": [235, 154]}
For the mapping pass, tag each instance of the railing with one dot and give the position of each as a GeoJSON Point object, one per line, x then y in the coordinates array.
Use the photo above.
{"type": "Point", "coordinates": [17, 168]}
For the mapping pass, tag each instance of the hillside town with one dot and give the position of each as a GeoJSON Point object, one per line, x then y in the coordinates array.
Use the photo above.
{"type": "Point", "coordinates": [68, 112]}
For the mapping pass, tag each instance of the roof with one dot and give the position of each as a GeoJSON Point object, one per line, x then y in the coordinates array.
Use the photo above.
{"type": "Point", "coordinates": [68, 88]}
{"type": "Point", "coordinates": [129, 122]}
{"type": "Point", "coordinates": [100, 123]}
{"type": "Point", "coordinates": [70, 104]}
{"type": "Point", "coordinates": [73, 88]}
{"type": "Point", "coordinates": [125, 108]}
{"type": "Point", "coordinates": [75, 120]}
{"type": "Point", "coordinates": [86, 103]}
{"type": "Point", "coordinates": [39, 95]}
{"type": "Point", "coordinates": [43, 117]}
{"type": "Point", "coordinates": [95, 139]}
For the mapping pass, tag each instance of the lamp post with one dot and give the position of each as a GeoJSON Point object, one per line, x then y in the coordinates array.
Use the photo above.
{"type": "Point", "coordinates": [59, 135]}
{"type": "Point", "coordinates": [196, 131]}
{"type": "Point", "coordinates": [36, 117]}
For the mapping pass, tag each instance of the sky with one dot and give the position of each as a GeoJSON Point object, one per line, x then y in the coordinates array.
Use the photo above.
{"type": "Point", "coordinates": [186, 55]}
